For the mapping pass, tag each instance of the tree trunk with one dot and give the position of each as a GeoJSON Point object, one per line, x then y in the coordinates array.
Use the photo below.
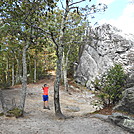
{"type": "Point", "coordinates": [65, 80]}
{"type": "Point", "coordinates": [24, 79]}
{"type": "Point", "coordinates": [65, 59]}
{"type": "Point", "coordinates": [65, 73]}
{"type": "Point", "coordinates": [7, 67]}
{"type": "Point", "coordinates": [62, 66]}
{"type": "Point", "coordinates": [35, 66]}
{"type": "Point", "coordinates": [60, 48]}
{"type": "Point", "coordinates": [35, 69]}
{"type": "Point", "coordinates": [13, 74]}
{"type": "Point", "coordinates": [18, 70]}
{"type": "Point", "coordinates": [58, 112]}
{"type": "Point", "coordinates": [8, 82]}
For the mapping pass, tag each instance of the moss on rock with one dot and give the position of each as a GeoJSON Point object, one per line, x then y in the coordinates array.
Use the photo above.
{"type": "Point", "coordinates": [15, 112]}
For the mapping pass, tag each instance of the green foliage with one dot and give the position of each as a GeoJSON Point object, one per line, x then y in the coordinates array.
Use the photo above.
{"type": "Point", "coordinates": [1, 114]}
{"type": "Point", "coordinates": [15, 112]}
{"type": "Point", "coordinates": [111, 85]}
{"type": "Point", "coordinates": [39, 23]}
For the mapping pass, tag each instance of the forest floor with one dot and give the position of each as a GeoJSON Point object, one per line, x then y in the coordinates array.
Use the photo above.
{"type": "Point", "coordinates": [36, 120]}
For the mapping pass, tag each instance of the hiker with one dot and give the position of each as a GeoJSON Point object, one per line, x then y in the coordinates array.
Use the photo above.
{"type": "Point", "coordinates": [45, 96]}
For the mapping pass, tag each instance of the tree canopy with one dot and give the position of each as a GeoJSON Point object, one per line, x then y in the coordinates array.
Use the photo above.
{"type": "Point", "coordinates": [38, 36]}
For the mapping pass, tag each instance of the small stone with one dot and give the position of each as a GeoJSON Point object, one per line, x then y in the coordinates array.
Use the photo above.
{"type": "Point", "coordinates": [73, 109]}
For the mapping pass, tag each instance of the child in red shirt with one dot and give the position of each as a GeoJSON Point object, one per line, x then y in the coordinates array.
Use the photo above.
{"type": "Point", "coordinates": [45, 96]}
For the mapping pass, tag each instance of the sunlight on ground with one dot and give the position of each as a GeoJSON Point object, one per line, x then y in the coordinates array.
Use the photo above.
{"type": "Point", "coordinates": [52, 72]}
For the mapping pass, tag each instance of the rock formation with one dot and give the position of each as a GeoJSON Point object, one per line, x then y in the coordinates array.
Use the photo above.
{"type": "Point", "coordinates": [106, 45]}
{"type": "Point", "coordinates": [123, 121]}
{"type": "Point", "coordinates": [127, 102]}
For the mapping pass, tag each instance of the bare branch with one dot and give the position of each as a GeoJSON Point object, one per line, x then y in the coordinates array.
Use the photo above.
{"type": "Point", "coordinates": [76, 2]}
{"type": "Point", "coordinates": [57, 46]}
{"type": "Point", "coordinates": [52, 37]}
{"type": "Point", "coordinates": [77, 9]}
{"type": "Point", "coordinates": [73, 7]}
{"type": "Point", "coordinates": [62, 4]}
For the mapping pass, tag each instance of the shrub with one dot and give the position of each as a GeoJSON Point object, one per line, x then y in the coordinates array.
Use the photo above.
{"type": "Point", "coordinates": [1, 114]}
{"type": "Point", "coordinates": [15, 112]}
{"type": "Point", "coordinates": [111, 85]}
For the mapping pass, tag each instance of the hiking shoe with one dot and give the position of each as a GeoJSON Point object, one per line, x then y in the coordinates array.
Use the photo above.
{"type": "Point", "coordinates": [45, 107]}
{"type": "Point", "coordinates": [48, 108]}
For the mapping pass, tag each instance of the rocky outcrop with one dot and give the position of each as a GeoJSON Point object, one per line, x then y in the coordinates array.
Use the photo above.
{"type": "Point", "coordinates": [123, 121]}
{"type": "Point", "coordinates": [107, 45]}
{"type": "Point", "coordinates": [127, 102]}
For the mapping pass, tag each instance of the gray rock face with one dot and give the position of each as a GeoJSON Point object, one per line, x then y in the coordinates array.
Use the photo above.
{"type": "Point", "coordinates": [127, 102]}
{"type": "Point", "coordinates": [108, 45]}
{"type": "Point", "coordinates": [130, 81]}
{"type": "Point", "coordinates": [123, 121]}
{"type": "Point", "coordinates": [73, 108]}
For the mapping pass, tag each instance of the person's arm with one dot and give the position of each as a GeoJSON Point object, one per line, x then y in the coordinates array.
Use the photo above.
{"type": "Point", "coordinates": [42, 88]}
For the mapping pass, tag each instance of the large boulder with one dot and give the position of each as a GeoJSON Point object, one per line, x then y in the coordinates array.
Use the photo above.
{"type": "Point", "coordinates": [124, 121]}
{"type": "Point", "coordinates": [127, 102]}
{"type": "Point", "coordinates": [107, 45]}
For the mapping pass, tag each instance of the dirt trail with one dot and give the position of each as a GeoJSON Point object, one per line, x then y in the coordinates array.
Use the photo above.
{"type": "Point", "coordinates": [40, 121]}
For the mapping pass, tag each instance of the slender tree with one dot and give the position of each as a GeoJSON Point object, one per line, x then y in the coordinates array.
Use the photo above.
{"type": "Point", "coordinates": [60, 45]}
{"type": "Point", "coordinates": [20, 17]}
{"type": "Point", "coordinates": [31, 20]}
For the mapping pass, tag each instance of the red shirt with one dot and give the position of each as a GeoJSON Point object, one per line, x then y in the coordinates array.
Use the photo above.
{"type": "Point", "coordinates": [45, 90]}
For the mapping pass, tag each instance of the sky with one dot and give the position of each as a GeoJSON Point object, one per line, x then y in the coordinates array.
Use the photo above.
{"type": "Point", "coordinates": [120, 13]}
